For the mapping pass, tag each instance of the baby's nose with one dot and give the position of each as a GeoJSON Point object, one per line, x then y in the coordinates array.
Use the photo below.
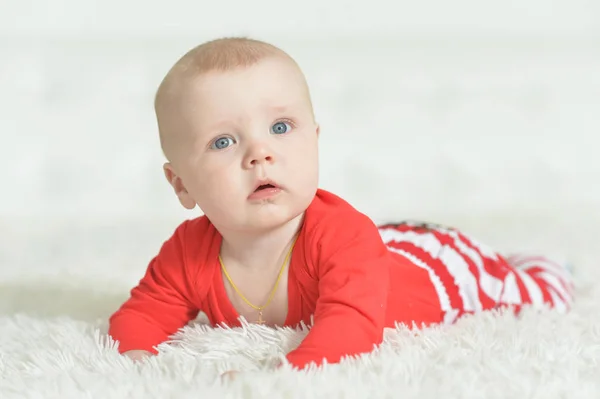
{"type": "Point", "coordinates": [259, 153]}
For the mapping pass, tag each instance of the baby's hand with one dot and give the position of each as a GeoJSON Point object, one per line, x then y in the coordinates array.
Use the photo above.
{"type": "Point", "coordinates": [137, 355]}
{"type": "Point", "coordinates": [229, 375]}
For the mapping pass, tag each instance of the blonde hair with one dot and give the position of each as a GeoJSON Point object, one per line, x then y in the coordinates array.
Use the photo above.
{"type": "Point", "coordinates": [222, 54]}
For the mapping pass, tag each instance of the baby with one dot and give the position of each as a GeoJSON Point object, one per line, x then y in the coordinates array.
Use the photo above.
{"type": "Point", "coordinates": [237, 127]}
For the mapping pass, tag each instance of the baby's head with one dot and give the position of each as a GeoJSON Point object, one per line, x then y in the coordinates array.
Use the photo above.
{"type": "Point", "coordinates": [233, 115]}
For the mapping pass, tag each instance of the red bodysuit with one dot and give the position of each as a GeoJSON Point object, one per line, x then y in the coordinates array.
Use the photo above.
{"type": "Point", "coordinates": [353, 277]}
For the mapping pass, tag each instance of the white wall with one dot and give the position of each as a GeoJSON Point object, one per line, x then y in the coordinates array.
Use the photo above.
{"type": "Point", "coordinates": [122, 19]}
{"type": "Point", "coordinates": [461, 111]}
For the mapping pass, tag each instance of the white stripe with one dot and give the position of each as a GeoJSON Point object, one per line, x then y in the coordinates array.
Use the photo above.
{"type": "Point", "coordinates": [511, 294]}
{"type": "Point", "coordinates": [533, 289]}
{"type": "Point", "coordinates": [490, 285]}
{"type": "Point", "coordinates": [555, 283]}
{"type": "Point", "coordinates": [515, 259]}
{"type": "Point", "coordinates": [437, 283]}
{"type": "Point", "coordinates": [455, 264]}
{"type": "Point", "coordinates": [559, 305]}
{"type": "Point", "coordinates": [450, 316]}
{"type": "Point", "coordinates": [546, 265]}
{"type": "Point", "coordinates": [486, 251]}
{"type": "Point", "coordinates": [464, 279]}
{"type": "Point", "coordinates": [427, 242]}
{"type": "Point", "coordinates": [542, 262]}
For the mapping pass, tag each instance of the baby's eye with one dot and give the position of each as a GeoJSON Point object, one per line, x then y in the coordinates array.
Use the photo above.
{"type": "Point", "coordinates": [281, 128]}
{"type": "Point", "coordinates": [222, 142]}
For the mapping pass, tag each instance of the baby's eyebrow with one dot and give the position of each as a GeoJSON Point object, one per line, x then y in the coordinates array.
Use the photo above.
{"type": "Point", "coordinates": [219, 124]}
{"type": "Point", "coordinates": [279, 108]}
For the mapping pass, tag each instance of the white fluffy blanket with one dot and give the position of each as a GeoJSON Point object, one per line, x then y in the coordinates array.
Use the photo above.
{"type": "Point", "coordinates": [52, 346]}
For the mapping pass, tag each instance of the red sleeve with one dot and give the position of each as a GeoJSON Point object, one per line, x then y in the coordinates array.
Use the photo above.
{"type": "Point", "coordinates": [353, 269]}
{"type": "Point", "coordinates": [160, 304]}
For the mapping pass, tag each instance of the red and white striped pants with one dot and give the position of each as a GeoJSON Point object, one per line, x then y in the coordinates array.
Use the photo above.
{"type": "Point", "coordinates": [470, 277]}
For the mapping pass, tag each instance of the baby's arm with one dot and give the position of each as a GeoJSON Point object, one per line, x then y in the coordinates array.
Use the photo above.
{"type": "Point", "coordinates": [160, 304]}
{"type": "Point", "coordinates": [353, 269]}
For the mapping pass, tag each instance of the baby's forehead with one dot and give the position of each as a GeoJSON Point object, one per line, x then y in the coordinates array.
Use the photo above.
{"type": "Point", "coordinates": [279, 70]}
{"type": "Point", "coordinates": [271, 86]}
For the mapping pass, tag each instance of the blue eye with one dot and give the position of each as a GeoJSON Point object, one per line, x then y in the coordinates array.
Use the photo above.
{"type": "Point", "coordinates": [281, 128]}
{"type": "Point", "coordinates": [222, 142]}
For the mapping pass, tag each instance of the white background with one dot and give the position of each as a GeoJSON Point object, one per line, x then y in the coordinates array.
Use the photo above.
{"type": "Point", "coordinates": [484, 115]}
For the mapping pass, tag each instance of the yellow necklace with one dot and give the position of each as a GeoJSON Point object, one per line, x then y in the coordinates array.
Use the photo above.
{"type": "Point", "coordinates": [271, 295]}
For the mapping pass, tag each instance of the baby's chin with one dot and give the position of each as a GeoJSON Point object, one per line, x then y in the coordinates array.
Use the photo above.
{"type": "Point", "coordinates": [257, 219]}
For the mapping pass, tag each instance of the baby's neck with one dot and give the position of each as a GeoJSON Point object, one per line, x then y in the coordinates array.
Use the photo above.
{"type": "Point", "coordinates": [260, 250]}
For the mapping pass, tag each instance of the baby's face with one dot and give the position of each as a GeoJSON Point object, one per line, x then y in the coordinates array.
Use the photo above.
{"type": "Point", "coordinates": [243, 128]}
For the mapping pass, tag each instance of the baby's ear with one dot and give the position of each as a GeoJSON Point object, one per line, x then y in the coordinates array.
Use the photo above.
{"type": "Point", "coordinates": [175, 181]}
{"type": "Point", "coordinates": [318, 129]}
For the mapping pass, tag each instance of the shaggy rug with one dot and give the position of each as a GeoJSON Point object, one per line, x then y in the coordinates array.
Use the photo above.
{"type": "Point", "coordinates": [53, 342]}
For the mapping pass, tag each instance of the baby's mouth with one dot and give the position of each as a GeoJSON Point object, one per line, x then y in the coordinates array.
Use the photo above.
{"type": "Point", "coordinates": [264, 187]}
